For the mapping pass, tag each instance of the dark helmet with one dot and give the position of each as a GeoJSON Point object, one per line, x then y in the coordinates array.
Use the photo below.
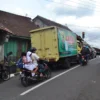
{"type": "Point", "coordinates": [33, 49]}
{"type": "Point", "coordinates": [23, 54]}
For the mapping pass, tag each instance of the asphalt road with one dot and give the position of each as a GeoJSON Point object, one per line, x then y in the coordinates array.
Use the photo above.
{"type": "Point", "coordinates": [79, 83]}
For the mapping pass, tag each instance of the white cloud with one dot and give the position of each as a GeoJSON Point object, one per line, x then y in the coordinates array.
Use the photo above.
{"type": "Point", "coordinates": [79, 19]}
{"type": "Point", "coordinates": [68, 2]}
{"type": "Point", "coordinates": [87, 21]}
{"type": "Point", "coordinates": [77, 8]}
{"type": "Point", "coordinates": [61, 4]}
{"type": "Point", "coordinates": [23, 12]}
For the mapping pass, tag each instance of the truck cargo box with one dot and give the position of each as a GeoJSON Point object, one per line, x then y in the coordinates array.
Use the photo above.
{"type": "Point", "coordinates": [54, 43]}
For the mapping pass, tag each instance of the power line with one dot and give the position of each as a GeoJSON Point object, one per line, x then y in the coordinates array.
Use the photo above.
{"type": "Point", "coordinates": [81, 26]}
{"type": "Point", "coordinates": [89, 2]}
{"type": "Point", "coordinates": [86, 4]}
{"type": "Point", "coordinates": [73, 5]}
{"type": "Point", "coordinates": [83, 5]}
{"type": "Point", "coordinates": [92, 1]}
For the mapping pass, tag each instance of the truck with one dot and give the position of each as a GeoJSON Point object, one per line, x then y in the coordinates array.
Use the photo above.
{"type": "Point", "coordinates": [58, 46]}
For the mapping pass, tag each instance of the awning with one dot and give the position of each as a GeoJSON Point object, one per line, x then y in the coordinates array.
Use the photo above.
{"type": "Point", "coordinates": [3, 28]}
{"type": "Point", "coordinates": [7, 30]}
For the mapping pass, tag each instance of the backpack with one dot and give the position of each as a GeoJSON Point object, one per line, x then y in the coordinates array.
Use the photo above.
{"type": "Point", "coordinates": [20, 63]}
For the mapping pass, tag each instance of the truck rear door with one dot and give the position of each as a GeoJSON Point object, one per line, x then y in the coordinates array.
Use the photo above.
{"type": "Point", "coordinates": [46, 42]}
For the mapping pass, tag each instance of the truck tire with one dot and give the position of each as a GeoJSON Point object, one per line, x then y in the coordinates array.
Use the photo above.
{"type": "Point", "coordinates": [78, 62]}
{"type": "Point", "coordinates": [66, 64]}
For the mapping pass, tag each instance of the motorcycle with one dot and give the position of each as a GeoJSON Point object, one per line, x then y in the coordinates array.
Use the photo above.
{"type": "Point", "coordinates": [4, 69]}
{"type": "Point", "coordinates": [4, 73]}
{"type": "Point", "coordinates": [27, 78]}
{"type": "Point", "coordinates": [84, 60]}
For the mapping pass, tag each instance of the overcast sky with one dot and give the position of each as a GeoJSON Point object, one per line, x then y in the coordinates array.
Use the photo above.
{"type": "Point", "coordinates": [78, 15]}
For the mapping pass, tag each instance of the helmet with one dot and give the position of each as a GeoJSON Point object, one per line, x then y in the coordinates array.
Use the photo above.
{"type": "Point", "coordinates": [33, 49]}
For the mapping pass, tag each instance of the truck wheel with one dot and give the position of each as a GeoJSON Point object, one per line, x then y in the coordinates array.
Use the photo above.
{"type": "Point", "coordinates": [78, 62]}
{"type": "Point", "coordinates": [66, 64]}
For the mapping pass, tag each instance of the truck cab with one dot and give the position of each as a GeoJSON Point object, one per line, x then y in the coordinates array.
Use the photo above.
{"type": "Point", "coordinates": [79, 46]}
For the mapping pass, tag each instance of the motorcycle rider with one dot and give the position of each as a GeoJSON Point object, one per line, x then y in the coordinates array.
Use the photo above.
{"type": "Point", "coordinates": [35, 58]}
{"type": "Point", "coordinates": [26, 58]}
{"type": "Point", "coordinates": [85, 52]}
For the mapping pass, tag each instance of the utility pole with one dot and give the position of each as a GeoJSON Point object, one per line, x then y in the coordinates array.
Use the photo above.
{"type": "Point", "coordinates": [83, 35]}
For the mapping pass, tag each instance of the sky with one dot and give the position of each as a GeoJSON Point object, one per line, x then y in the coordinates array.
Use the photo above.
{"type": "Point", "coordinates": [79, 15]}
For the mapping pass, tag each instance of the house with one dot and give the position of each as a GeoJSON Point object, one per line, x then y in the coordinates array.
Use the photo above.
{"type": "Point", "coordinates": [4, 34]}
{"type": "Point", "coordinates": [20, 26]}
{"type": "Point", "coordinates": [43, 22]}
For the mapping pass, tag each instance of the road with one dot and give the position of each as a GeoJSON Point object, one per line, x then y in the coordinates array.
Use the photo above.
{"type": "Point", "coordinates": [78, 83]}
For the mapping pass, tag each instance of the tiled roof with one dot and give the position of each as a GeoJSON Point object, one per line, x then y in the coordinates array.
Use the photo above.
{"type": "Point", "coordinates": [18, 25]}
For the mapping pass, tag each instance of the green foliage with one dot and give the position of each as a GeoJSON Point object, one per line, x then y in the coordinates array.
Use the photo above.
{"type": "Point", "coordinates": [11, 63]}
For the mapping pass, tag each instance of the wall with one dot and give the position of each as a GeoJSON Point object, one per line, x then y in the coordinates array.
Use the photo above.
{"type": "Point", "coordinates": [2, 40]}
{"type": "Point", "coordinates": [39, 23]}
{"type": "Point", "coordinates": [17, 46]}
{"type": "Point", "coordinates": [1, 52]}
{"type": "Point", "coordinates": [9, 46]}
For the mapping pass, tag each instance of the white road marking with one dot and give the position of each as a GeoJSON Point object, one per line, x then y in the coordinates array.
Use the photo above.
{"type": "Point", "coordinates": [48, 80]}
{"type": "Point", "coordinates": [93, 59]}
{"type": "Point", "coordinates": [33, 88]}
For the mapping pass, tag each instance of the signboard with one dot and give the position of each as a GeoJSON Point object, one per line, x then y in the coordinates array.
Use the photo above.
{"type": "Point", "coordinates": [67, 43]}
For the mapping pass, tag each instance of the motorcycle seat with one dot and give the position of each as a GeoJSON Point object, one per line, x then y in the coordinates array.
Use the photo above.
{"type": "Point", "coordinates": [24, 69]}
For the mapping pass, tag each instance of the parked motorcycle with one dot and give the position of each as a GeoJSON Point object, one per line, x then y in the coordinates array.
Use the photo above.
{"type": "Point", "coordinates": [26, 77]}
{"type": "Point", "coordinates": [4, 69]}
{"type": "Point", "coordinates": [4, 73]}
{"type": "Point", "coordinates": [84, 60]}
